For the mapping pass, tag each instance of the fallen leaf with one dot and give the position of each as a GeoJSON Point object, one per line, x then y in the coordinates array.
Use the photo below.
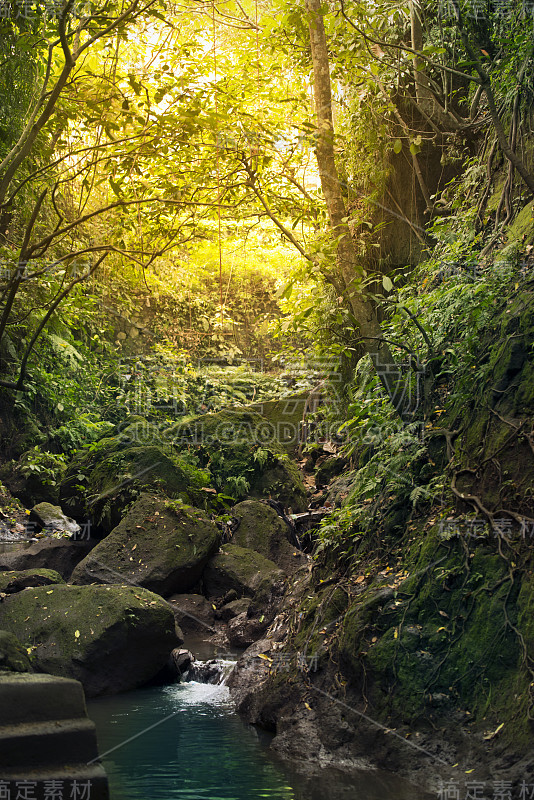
{"type": "Point", "coordinates": [76, 634]}
{"type": "Point", "coordinates": [265, 658]}
{"type": "Point", "coordinates": [492, 735]}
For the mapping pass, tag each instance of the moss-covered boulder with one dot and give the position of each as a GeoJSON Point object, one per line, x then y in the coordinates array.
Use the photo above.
{"type": "Point", "coordinates": [12, 581]}
{"type": "Point", "coordinates": [286, 416]}
{"type": "Point", "coordinates": [238, 568]}
{"type": "Point", "coordinates": [100, 483]}
{"type": "Point", "coordinates": [13, 655]}
{"type": "Point", "coordinates": [60, 555]}
{"type": "Point", "coordinates": [111, 638]}
{"type": "Point", "coordinates": [52, 519]}
{"type": "Point", "coordinates": [160, 544]}
{"type": "Point", "coordinates": [262, 530]}
{"type": "Point", "coordinates": [242, 452]}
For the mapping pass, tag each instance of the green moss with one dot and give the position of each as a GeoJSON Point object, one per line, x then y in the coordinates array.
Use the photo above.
{"type": "Point", "coordinates": [241, 569]}
{"type": "Point", "coordinates": [13, 656]}
{"type": "Point", "coordinates": [285, 417]}
{"type": "Point", "coordinates": [522, 228]}
{"type": "Point", "coordinates": [104, 480]}
{"type": "Point", "coordinates": [163, 549]}
{"type": "Point", "coordinates": [16, 580]}
{"type": "Point", "coordinates": [112, 638]}
{"type": "Point", "coordinates": [242, 452]}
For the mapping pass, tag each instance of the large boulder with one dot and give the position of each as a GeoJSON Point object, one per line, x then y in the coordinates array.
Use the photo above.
{"type": "Point", "coordinates": [262, 530]}
{"type": "Point", "coordinates": [238, 568]}
{"type": "Point", "coordinates": [160, 544]}
{"type": "Point", "coordinates": [102, 482]}
{"type": "Point", "coordinates": [13, 655]}
{"type": "Point", "coordinates": [12, 581]}
{"type": "Point", "coordinates": [193, 613]}
{"type": "Point", "coordinates": [53, 520]}
{"type": "Point", "coordinates": [111, 638]}
{"type": "Point", "coordinates": [243, 454]}
{"type": "Point", "coordinates": [60, 555]}
{"type": "Point", "coordinates": [287, 416]}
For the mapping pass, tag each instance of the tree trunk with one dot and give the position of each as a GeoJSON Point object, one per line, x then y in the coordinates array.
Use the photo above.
{"type": "Point", "coordinates": [363, 309]}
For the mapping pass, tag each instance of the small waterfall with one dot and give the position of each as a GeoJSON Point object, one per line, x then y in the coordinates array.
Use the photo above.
{"type": "Point", "coordinates": [214, 671]}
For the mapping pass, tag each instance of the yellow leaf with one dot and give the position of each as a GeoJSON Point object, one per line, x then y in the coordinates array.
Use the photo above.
{"type": "Point", "coordinates": [308, 706]}
{"type": "Point", "coordinates": [76, 634]}
{"type": "Point", "coordinates": [396, 633]}
{"type": "Point", "coordinates": [265, 658]}
{"type": "Point", "coordinates": [469, 771]}
{"type": "Point", "coordinates": [490, 736]}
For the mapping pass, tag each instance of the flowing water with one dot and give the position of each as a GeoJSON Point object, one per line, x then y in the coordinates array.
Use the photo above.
{"type": "Point", "coordinates": [185, 742]}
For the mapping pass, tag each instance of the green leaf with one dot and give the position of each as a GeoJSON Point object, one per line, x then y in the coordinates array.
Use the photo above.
{"type": "Point", "coordinates": [397, 146]}
{"type": "Point", "coordinates": [387, 283]}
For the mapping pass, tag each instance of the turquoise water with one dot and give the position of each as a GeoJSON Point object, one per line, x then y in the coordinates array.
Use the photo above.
{"type": "Point", "coordinates": [199, 749]}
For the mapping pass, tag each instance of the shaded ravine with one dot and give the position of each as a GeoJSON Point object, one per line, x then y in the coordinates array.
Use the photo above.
{"type": "Point", "coordinates": [198, 748]}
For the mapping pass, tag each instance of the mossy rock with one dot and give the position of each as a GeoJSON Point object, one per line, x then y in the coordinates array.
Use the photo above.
{"type": "Point", "coordinates": [444, 635]}
{"type": "Point", "coordinates": [13, 656]}
{"type": "Point", "coordinates": [111, 638]}
{"type": "Point", "coordinates": [59, 555]}
{"type": "Point", "coordinates": [241, 569]}
{"type": "Point", "coordinates": [241, 450]}
{"type": "Point", "coordinates": [12, 581]}
{"type": "Point", "coordinates": [328, 470]}
{"type": "Point", "coordinates": [285, 417]}
{"type": "Point", "coordinates": [262, 530]}
{"type": "Point", "coordinates": [102, 482]}
{"type": "Point", "coordinates": [160, 544]}
{"type": "Point", "coordinates": [52, 519]}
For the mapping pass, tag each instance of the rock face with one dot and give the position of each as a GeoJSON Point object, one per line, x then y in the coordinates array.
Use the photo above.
{"type": "Point", "coordinates": [53, 520]}
{"type": "Point", "coordinates": [243, 570]}
{"type": "Point", "coordinates": [60, 555]}
{"type": "Point", "coordinates": [111, 638]}
{"type": "Point", "coordinates": [243, 454]}
{"type": "Point", "coordinates": [101, 483]}
{"type": "Point", "coordinates": [262, 530]}
{"type": "Point", "coordinates": [243, 631]}
{"type": "Point", "coordinates": [193, 613]}
{"type": "Point", "coordinates": [12, 581]}
{"type": "Point", "coordinates": [13, 656]}
{"type": "Point", "coordinates": [159, 545]}
{"type": "Point", "coordinates": [286, 417]}
{"type": "Point", "coordinates": [328, 470]}
{"type": "Point", "coordinates": [47, 739]}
